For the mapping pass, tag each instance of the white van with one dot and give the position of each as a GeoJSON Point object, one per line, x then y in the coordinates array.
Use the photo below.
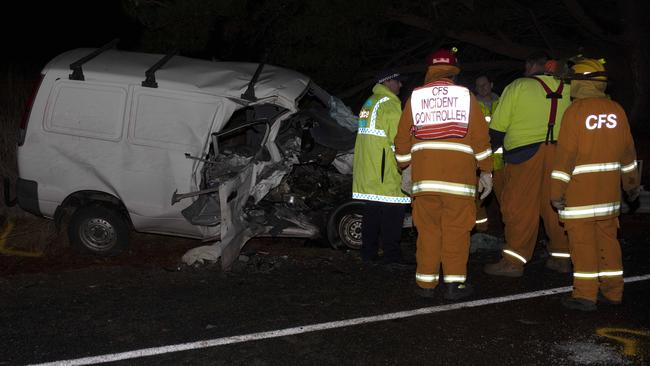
{"type": "Point", "coordinates": [120, 140]}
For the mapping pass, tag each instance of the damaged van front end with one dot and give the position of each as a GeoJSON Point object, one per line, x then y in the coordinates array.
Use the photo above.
{"type": "Point", "coordinates": [276, 169]}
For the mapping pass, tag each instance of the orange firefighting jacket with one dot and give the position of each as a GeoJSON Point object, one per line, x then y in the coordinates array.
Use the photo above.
{"type": "Point", "coordinates": [595, 152]}
{"type": "Point", "coordinates": [444, 166]}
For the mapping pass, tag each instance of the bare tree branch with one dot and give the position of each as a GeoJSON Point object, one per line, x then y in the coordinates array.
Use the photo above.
{"type": "Point", "coordinates": [506, 48]}
{"type": "Point", "coordinates": [421, 68]}
{"type": "Point", "coordinates": [412, 20]}
{"type": "Point", "coordinates": [578, 13]}
{"type": "Point", "coordinates": [356, 89]}
{"type": "Point", "coordinates": [500, 46]}
{"type": "Point", "coordinates": [541, 33]}
{"type": "Point", "coordinates": [406, 52]}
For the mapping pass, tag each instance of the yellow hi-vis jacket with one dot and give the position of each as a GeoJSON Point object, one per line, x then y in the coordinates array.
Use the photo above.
{"type": "Point", "coordinates": [487, 112]}
{"type": "Point", "coordinates": [595, 153]}
{"type": "Point", "coordinates": [375, 176]}
{"type": "Point", "coordinates": [524, 109]}
{"type": "Point", "coordinates": [444, 166]}
{"type": "Point", "coordinates": [497, 156]}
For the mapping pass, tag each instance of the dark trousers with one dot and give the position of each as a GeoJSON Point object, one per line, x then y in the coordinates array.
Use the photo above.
{"type": "Point", "coordinates": [382, 223]}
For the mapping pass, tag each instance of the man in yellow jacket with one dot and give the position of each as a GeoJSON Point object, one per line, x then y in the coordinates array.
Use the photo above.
{"type": "Point", "coordinates": [488, 101]}
{"type": "Point", "coordinates": [442, 134]}
{"type": "Point", "coordinates": [595, 153]}
{"type": "Point", "coordinates": [526, 124]}
{"type": "Point", "coordinates": [375, 176]}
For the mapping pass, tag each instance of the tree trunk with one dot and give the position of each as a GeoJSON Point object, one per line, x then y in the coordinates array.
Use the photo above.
{"type": "Point", "coordinates": [636, 37]}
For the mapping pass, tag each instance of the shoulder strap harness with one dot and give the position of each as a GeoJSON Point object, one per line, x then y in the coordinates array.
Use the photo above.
{"type": "Point", "coordinates": [553, 96]}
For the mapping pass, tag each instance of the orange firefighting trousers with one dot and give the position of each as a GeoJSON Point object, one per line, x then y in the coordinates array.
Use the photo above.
{"type": "Point", "coordinates": [443, 224]}
{"type": "Point", "coordinates": [481, 210]}
{"type": "Point", "coordinates": [526, 197]}
{"type": "Point", "coordinates": [498, 177]}
{"type": "Point", "coordinates": [596, 256]}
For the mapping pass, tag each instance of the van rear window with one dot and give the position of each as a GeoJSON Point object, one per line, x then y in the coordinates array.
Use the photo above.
{"type": "Point", "coordinates": [172, 120]}
{"type": "Point", "coordinates": [87, 109]}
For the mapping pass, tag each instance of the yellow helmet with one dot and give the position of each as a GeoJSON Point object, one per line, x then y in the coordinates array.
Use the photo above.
{"type": "Point", "coordinates": [589, 69]}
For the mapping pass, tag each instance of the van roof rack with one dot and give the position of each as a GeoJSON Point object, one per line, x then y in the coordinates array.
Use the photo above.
{"type": "Point", "coordinates": [77, 72]}
{"type": "Point", "coordinates": [150, 81]}
{"type": "Point", "coordinates": [249, 94]}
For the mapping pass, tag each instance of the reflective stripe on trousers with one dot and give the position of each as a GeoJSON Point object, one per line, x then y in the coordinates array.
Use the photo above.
{"type": "Point", "coordinates": [599, 210]}
{"type": "Point", "coordinates": [443, 187]}
{"type": "Point", "coordinates": [596, 257]}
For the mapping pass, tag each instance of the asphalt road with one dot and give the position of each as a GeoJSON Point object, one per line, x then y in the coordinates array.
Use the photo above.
{"type": "Point", "coordinates": [292, 304]}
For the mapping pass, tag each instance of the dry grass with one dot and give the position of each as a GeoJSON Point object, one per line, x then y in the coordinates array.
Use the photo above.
{"type": "Point", "coordinates": [27, 237]}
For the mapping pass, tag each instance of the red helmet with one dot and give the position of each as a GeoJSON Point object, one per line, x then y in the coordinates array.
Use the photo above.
{"type": "Point", "coordinates": [443, 56]}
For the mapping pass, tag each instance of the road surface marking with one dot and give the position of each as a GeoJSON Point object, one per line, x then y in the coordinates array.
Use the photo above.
{"type": "Point", "coordinates": [145, 352]}
{"type": "Point", "coordinates": [3, 241]}
{"type": "Point", "coordinates": [629, 344]}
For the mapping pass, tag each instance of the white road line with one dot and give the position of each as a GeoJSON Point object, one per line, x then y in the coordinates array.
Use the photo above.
{"type": "Point", "coordinates": [309, 328]}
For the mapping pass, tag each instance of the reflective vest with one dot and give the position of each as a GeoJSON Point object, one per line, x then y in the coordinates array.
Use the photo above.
{"type": "Point", "coordinates": [445, 166]}
{"type": "Point", "coordinates": [375, 176]}
{"type": "Point", "coordinates": [487, 112]}
{"type": "Point", "coordinates": [440, 110]}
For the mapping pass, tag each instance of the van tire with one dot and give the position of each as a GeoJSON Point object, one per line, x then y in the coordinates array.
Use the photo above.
{"type": "Point", "coordinates": [344, 226]}
{"type": "Point", "coordinates": [98, 230]}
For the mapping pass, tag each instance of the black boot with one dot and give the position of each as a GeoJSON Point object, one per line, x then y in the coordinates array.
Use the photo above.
{"type": "Point", "coordinates": [427, 293]}
{"type": "Point", "coordinates": [457, 291]}
{"type": "Point", "coordinates": [605, 300]}
{"type": "Point", "coordinates": [576, 303]}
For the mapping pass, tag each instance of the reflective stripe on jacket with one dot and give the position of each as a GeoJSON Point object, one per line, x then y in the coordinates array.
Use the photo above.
{"type": "Point", "coordinates": [595, 153]}
{"type": "Point", "coordinates": [375, 175]}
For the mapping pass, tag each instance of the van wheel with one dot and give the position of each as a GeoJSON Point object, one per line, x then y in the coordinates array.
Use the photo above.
{"type": "Point", "coordinates": [344, 226]}
{"type": "Point", "coordinates": [98, 230]}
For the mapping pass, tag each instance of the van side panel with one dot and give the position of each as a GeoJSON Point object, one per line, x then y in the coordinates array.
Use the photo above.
{"type": "Point", "coordinates": [123, 140]}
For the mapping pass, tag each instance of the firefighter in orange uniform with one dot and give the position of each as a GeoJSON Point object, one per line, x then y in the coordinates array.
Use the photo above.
{"type": "Point", "coordinates": [526, 124]}
{"type": "Point", "coordinates": [595, 152]}
{"type": "Point", "coordinates": [442, 134]}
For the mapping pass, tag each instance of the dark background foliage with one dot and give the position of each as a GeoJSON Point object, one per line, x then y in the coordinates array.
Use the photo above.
{"type": "Point", "coordinates": [341, 44]}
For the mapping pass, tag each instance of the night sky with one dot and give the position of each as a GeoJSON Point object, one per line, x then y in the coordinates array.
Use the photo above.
{"type": "Point", "coordinates": [42, 30]}
{"type": "Point", "coordinates": [335, 43]}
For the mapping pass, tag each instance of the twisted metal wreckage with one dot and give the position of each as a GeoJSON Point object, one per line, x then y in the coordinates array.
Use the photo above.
{"type": "Point", "coordinates": [266, 175]}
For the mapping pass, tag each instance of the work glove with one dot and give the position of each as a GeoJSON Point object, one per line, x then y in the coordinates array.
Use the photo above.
{"type": "Point", "coordinates": [406, 180]}
{"type": "Point", "coordinates": [559, 204]}
{"type": "Point", "coordinates": [485, 184]}
{"type": "Point", "coordinates": [633, 194]}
